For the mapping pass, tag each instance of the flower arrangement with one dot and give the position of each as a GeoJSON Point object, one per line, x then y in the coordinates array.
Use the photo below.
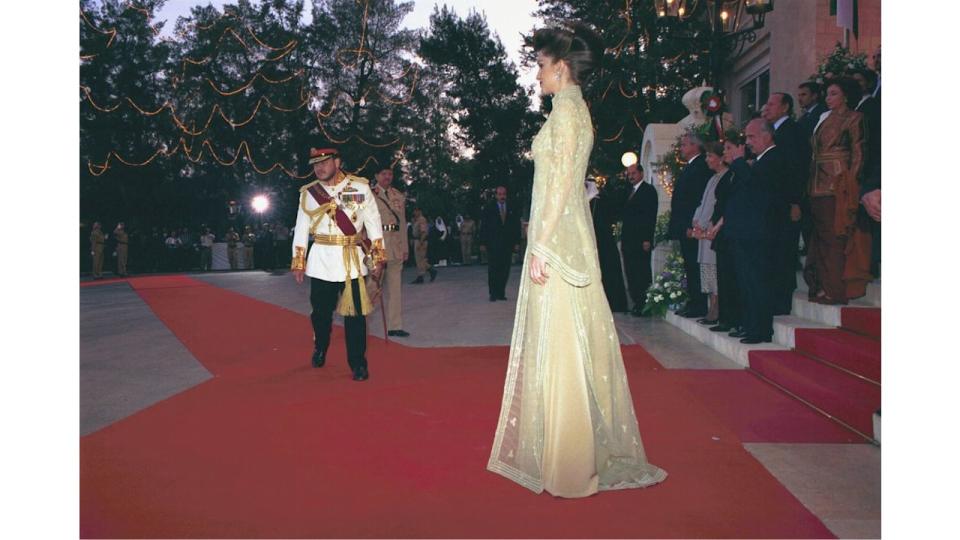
{"type": "Point", "coordinates": [661, 233]}
{"type": "Point", "coordinates": [668, 290]}
{"type": "Point", "coordinates": [839, 61]}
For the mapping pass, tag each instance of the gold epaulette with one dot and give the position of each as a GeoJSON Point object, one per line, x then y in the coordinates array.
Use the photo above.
{"type": "Point", "coordinates": [307, 186]}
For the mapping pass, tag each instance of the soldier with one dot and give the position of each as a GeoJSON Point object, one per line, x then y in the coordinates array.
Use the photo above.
{"type": "Point", "coordinates": [249, 240]}
{"type": "Point", "coordinates": [97, 238]}
{"type": "Point", "coordinates": [468, 227]}
{"type": "Point", "coordinates": [123, 244]}
{"type": "Point", "coordinates": [420, 232]}
{"type": "Point", "coordinates": [232, 239]}
{"type": "Point", "coordinates": [393, 215]}
{"type": "Point", "coordinates": [334, 211]}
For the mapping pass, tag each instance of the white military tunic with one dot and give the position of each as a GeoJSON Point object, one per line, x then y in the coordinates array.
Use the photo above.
{"type": "Point", "coordinates": [326, 262]}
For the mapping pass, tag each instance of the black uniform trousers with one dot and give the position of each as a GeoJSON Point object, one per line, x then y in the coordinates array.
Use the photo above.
{"type": "Point", "coordinates": [728, 293]}
{"type": "Point", "coordinates": [752, 261]}
{"type": "Point", "coordinates": [637, 267]}
{"type": "Point", "coordinates": [324, 296]}
{"type": "Point", "coordinates": [784, 265]}
{"type": "Point", "coordinates": [498, 269]}
{"type": "Point", "coordinates": [689, 248]}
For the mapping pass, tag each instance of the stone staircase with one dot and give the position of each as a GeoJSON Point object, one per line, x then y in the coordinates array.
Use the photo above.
{"type": "Point", "coordinates": [828, 357]}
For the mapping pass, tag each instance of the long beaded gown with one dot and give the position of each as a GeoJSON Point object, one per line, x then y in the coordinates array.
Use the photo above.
{"type": "Point", "coordinates": [567, 423]}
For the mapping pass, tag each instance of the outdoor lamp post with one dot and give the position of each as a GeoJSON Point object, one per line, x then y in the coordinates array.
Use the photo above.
{"type": "Point", "coordinates": [729, 28]}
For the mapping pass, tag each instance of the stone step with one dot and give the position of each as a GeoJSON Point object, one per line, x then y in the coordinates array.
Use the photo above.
{"type": "Point", "coordinates": [828, 315]}
{"type": "Point", "coordinates": [720, 341]}
{"type": "Point", "coordinates": [872, 298]}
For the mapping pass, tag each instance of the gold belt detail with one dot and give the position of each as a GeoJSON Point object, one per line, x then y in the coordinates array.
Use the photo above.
{"type": "Point", "coordinates": [336, 240]}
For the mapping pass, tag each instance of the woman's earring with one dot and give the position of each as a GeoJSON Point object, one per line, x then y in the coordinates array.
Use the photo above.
{"type": "Point", "coordinates": [556, 76]}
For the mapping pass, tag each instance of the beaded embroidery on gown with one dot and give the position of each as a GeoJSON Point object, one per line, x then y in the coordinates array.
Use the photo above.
{"type": "Point", "coordinates": [567, 423]}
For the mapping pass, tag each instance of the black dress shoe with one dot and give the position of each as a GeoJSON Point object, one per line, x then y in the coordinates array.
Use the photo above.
{"type": "Point", "coordinates": [708, 322]}
{"type": "Point", "coordinates": [417, 281]}
{"type": "Point", "coordinates": [694, 314]}
{"type": "Point", "coordinates": [738, 334]}
{"type": "Point", "coordinates": [682, 312]}
{"type": "Point", "coordinates": [361, 374]}
{"type": "Point", "coordinates": [754, 341]}
{"type": "Point", "coordinates": [398, 333]}
{"type": "Point", "coordinates": [433, 275]}
{"type": "Point", "coordinates": [720, 328]}
{"type": "Point", "coordinates": [493, 298]}
{"type": "Point", "coordinates": [501, 298]}
{"type": "Point", "coordinates": [318, 358]}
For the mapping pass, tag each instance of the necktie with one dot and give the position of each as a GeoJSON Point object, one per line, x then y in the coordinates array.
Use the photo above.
{"type": "Point", "coordinates": [503, 213]}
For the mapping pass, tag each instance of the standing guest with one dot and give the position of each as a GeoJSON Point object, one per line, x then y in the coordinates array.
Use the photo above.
{"type": "Point", "coordinates": [233, 247]}
{"type": "Point", "coordinates": [869, 105]}
{"type": "Point", "coordinates": [335, 212]}
{"type": "Point", "coordinates": [838, 262]}
{"type": "Point", "coordinates": [788, 137]}
{"type": "Point", "coordinates": [637, 237]}
{"type": "Point", "coordinates": [392, 205]}
{"type": "Point", "coordinates": [752, 221]}
{"type": "Point", "coordinates": [500, 238]}
{"type": "Point", "coordinates": [611, 272]}
{"type": "Point", "coordinates": [97, 238]}
{"type": "Point", "coordinates": [702, 226]}
{"type": "Point", "coordinates": [811, 107]}
{"type": "Point", "coordinates": [123, 246]}
{"type": "Point", "coordinates": [249, 241]}
{"type": "Point", "coordinates": [206, 250]}
{"type": "Point", "coordinates": [687, 192]}
{"type": "Point", "coordinates": [172, 256]}
{"type": "Point", "coordinates": [421, 235]}
{"type": "Point", "coordinates": [468, 228]}
{"type": "Point", "coordinates": [728, 293]}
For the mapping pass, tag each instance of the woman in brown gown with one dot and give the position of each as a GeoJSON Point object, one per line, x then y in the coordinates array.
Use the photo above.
{"type": "Point", "coordinates": [838, 258]}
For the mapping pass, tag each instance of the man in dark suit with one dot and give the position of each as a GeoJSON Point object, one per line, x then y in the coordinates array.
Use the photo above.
{"type": "Point", "coordinates": [754, 213]}
{"type": "Point", "coordinates": [687, 194]}
{"type": "Point", "coordinates": [870, 107]}
{"type": "Point", "coordinates": [809, 98]}
{"type": "Point", "coordinates": [499, 237]}
{"type": "Point", "coordinates": [788, 137]}
{"type": "Point", "coordinates": [637, 237]}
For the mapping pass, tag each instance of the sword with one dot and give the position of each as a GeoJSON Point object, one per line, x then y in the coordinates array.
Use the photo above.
{"type": "Point", "coordinates": [379, 298]}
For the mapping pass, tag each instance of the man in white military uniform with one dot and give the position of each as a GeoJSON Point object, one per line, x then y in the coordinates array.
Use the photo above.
{"type": "Point", "coordinates": [334, 211]}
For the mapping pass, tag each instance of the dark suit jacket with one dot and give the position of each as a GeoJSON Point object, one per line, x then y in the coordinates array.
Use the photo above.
{"type": "Point", "coordinates": [496, 234]}
{"type": "Point", "coordinates": [687, 194]}
{"type": "Point", "coordinates": [789, 136]}
{"type": "Point", "coordinates": [808, 121]}
{"type": "Point", "coordinates": [639, 218]}
{"type": "Point", "coordinates": [757, 205]}
{"type": "Point", "coordinates": [871, 118]}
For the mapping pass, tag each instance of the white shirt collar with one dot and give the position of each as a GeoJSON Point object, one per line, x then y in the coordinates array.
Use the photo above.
{"type": "Point", "coordinates": [693, 158]}
{"type": "Point", "coordinates": [864, 98]}
{"type": "Point", "coordinates": [776, 125]}
{"type": "Point", "coordinates": [823, 117]}
{"type": "Point", "coordinates": [636, 186]}
{"type": "Point", "coordinates": [765, 152]}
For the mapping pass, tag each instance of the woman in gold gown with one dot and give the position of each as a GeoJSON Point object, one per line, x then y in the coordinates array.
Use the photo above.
{"type": "Point", "coordinates": [838, 258]}
{"type": "Point", "coordinates": [567, 423]}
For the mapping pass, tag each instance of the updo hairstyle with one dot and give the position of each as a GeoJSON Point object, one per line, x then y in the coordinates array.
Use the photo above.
{"type": "Point", "coordinates": [577, 45]}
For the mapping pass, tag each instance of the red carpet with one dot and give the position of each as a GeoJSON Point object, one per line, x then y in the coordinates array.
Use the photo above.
{"type": "Point", "coordinates": [850, 351]}
{"type": "Point", "coordinates": [273, 448]}
{"type": "Point", "coordinates": [849, 398]}
{"type": "Point", "coordinates": [757, 411]}
{"type": "Point", "coordinates": [862, 320]}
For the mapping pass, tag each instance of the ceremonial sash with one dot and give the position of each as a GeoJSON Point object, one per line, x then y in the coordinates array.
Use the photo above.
{"type": "Point", "coordinates": [343, 220]}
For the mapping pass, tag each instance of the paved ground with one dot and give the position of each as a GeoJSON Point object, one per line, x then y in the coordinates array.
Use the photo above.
{"type": "Point", "coordinates": [129, 360]}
